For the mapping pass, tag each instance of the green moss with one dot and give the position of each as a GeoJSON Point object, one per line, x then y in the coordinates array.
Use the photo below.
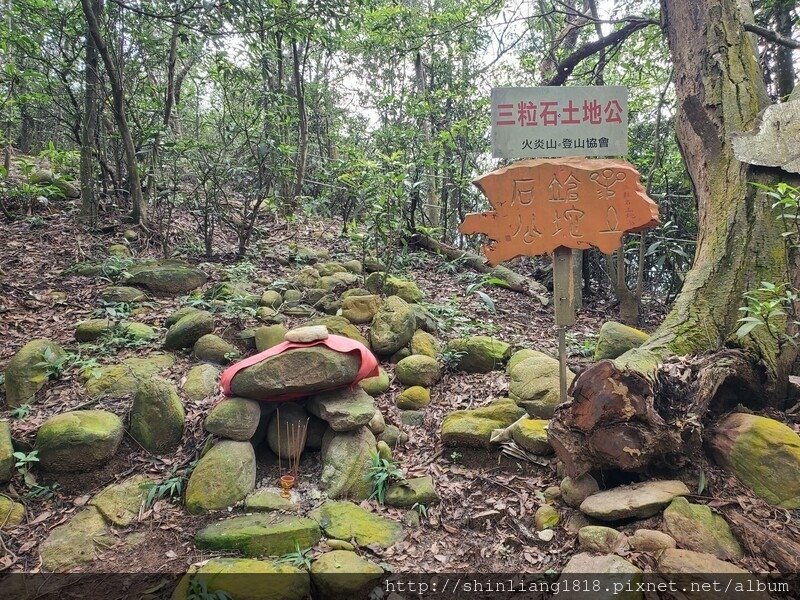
{"type": "Point", "coordinates": [224, 475]}
{"type": "Point", "coordinates": [414, 398]}
{"type": "Point", "coordinates": [78, 440]}
{"type": "Point", "coordinates": [473, 428]}
{"type": "Point", "coordinates": [418, 370]}
{"type": "Point", "coordinates": [766, 458]}
{"type": "Point", "coordinates": [377, 385]}
{"type": "Point", "coordinates": [344, 574]}
{"type": "Point", "coordinates": [11, 513]}
{"type": "Point", "coordinates": [236, 577]}
{"type": "Point", "coordinates": [346, 521]}
{"type": "Point", "coordinates": [696, 527]}
{"type": "Point", "coordinates": [268, 534]}
{"type": "Point", "coordinates": [122, 380]}
{"type": "Point", "coordinates": [25, 374]}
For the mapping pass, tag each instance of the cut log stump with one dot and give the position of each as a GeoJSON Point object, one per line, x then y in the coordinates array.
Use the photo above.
{"type": "Point", "coordinates": [617, 419]}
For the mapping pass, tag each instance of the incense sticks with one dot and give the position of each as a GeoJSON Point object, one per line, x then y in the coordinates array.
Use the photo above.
{"type": "Point", "coordinates": [296, 440]}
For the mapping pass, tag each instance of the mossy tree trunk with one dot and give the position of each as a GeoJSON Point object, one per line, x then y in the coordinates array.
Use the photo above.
{"type": "Point", "coordinates": [720, 93]}
{"type": "Point", "coordinates": [650, 407]}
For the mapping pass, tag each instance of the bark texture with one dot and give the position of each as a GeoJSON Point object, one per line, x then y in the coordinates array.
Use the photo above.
{"type": "Point", "coordinates": [720, 93]}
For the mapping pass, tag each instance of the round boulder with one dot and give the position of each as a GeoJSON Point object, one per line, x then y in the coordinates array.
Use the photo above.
{"type": "Point", "coordinates": [418, 369]}
{"type": "Point", "coordinates": [79, 440]}
{"type": "Point", "coordinates": [393, 326]}
{"type": "Point", "coordinates": [157, 415]}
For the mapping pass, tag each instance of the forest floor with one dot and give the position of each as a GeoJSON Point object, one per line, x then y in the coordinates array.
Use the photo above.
{"type": "Point", "coordinates": [484, 522]}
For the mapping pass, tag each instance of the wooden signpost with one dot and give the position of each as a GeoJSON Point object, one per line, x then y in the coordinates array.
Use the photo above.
{"type": "Point", "coordinates": [550, 206]}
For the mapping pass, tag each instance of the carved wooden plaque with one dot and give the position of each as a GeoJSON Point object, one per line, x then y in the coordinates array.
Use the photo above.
{"type": "Point", "coordinates": [542, 204]}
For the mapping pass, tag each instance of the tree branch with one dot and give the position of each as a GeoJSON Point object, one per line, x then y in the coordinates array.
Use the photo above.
{"type": "Point", "coordinates": [771, 36]}
{"type": "Point", "coordinates": [565, 67]}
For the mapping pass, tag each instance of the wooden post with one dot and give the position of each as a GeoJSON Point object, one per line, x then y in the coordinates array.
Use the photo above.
{"type": "Point", "coordinates": [563, 296]}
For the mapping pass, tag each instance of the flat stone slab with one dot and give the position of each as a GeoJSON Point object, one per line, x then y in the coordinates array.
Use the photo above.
{"type": "Point", "coordinates": [346, 521]}
{"type": "Point", "coordinates": [635, 501]}
{"type": "Point", "coordinates": [267, 534]}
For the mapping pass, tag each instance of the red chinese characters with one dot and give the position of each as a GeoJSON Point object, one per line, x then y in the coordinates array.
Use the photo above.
{"type": "Point", "coordinates": [543, 204]}
{"type": "Point", "coordinates": [547, 113]}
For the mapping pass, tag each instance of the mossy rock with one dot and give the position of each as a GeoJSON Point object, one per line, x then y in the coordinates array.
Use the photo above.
{"type": "Point", "coordinates": [615, 339]}
{"type": "Point", "coordinates": [232, 291]}
{"type": "Point", "coordinates": [480, 353]}
{"type": "Point", "coordinates": [201, 382]}
{"type": "Point", "coordinates": [344, 574]}
{"type": "Point", "coordinates": [346, 460]}
{"type": "Point", "coordinates": [339, 326]}
{"type": "Point", "coordinates": [11, 513]}
{"type": "Point", "coordinates": [94, 329]}
{"type": "Point", "coordinates": [414, 398]}
{"type": "Point", "coordinates": [303, 371]}
{"type": "Point", "coordinates": [234, 419]}
{"type": "Point", "coordinates": [596, 538]}
{"type": "Point", "coordinates": [119, 250]}
{"type": "Point", "coordinates": [329, 268]}
{"type": "Point", "coordinates": [337, 282]}
{"type": "Point", "coordinates": [534, 384]}
{"type": "Point", "coordinates": [179, 314]}
{"type": "Point", "coordinates": [119, 503]}
{"type": "Point", "coordinates": [375, 386]}
{"type": "Point", "coordinates": [122, 294]}
{"type": "Point", "coordinates": [262, 534]}
{"type": "Point", "coordinates": [236, 577]}
{"type": "Point", "coordinates": [764, 454]}
{"type": "Point", "coordinates": [613, 571]}
{"type": "Point", "coordinates": [424, 319]}
{"type": "Point", "coordinates": [167, 277]}
{"type": "Point", "coordinates": [268, 336]}
{"type": "Point", "coordinates": [306, 278]}
{"type": "Point", "coordinates": [408, 492]}
{"type": "Point", "coordinates": [425, 344]}
{"type": "Point", "coordinates": [531, 435]}
{"type": "Point", "coordinates": [122, 380]}
{"type": "Point", "coordinates": [360, 309]}
{"type": "Point", "coordinates": [266, 500]}
{"type": "Point", "coordinates": [354, 266]}
{"type": "Point", "coordinates": [212, 348]}
{"type": "Point", "coordinates": [393, 326]}
{"type": "Point", "coordinates": [394, 286]}
{"type": "Point", "coordinates": [75, 543]}
{"type": "Point", "coordinates": [344, 409]}
{"type": "Point", "coordinates": [473, 428]}
{"type": "Point", "coordinates": [157, 415]}
{"type": "Point", "coordinates": [189, 329]}
{"type": "Point", "coordinates": [25, 374]}
{"type": "Point", "coordinates": [418, 370]}
{"type": "Point", "coordinates": [224, 475]}
{"type": "Point", "coordinates": [79, 440]}
{"type": "Point", "coordinates": [546, 517]}
{"type": "Point", "coordinates": [696, 527]}
{"type": "Point", "coordinates": [291, 415]}
{"type": "Point", "coordinates": [392, 435]}
{"type": "Point", "coordinates": [348, 521]}
{"type": "Point", "coordinates": [7, 459]}
{"type": "Point", "coordinates": [521, 355]}
{"type": "Point", "coordinates": [271, 298]}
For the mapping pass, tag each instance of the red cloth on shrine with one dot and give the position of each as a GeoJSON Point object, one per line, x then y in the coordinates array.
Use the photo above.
{"type": "Point", "coordinates": [338, 343]}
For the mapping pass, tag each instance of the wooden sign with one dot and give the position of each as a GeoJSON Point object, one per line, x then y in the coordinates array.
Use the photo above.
{"type": "Point", "coordinates": [559, 121]}
{"type": "Point", "coordinates": [543, 204]}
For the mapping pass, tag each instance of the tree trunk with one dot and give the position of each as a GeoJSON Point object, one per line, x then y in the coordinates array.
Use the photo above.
{"type": "Point", "coordinates": [89, 128]}
{"type": "Point", "coordinates": [648, 408]}
{"type": "Point", "coordinates": [139, 207]}
{"type": "Point", "coordinates": [720, 93]}
{"type": "Point", "coordinates": [302, 117]}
